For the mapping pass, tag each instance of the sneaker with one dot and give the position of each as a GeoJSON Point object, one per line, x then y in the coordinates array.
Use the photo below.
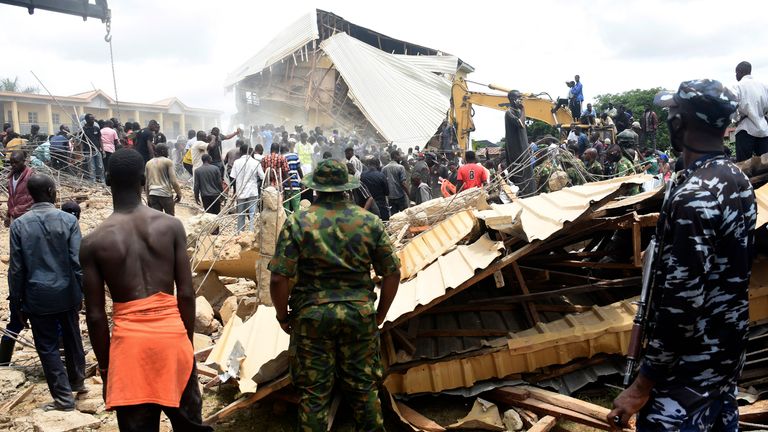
{"type": "Point", "coordinates": [53, 406]}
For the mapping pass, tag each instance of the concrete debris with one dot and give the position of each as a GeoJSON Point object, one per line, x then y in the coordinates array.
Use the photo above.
{"type": "Point", "coordinates": [201, 341]}
{"type": "Point", "coordinates": [205, 322]}
{"type": "Point", "coordinates": [512, 420]}
{"type": "Point", "coordinates": [10, 381]}
{"type": "Point", "coordinates": [247, 306]}
{"type": "Point", "coordinates": [228, 308]}
{"type": "Point", "coordinates": [59, 421]}
{"type": "Point", "coordinates": [208, 285]}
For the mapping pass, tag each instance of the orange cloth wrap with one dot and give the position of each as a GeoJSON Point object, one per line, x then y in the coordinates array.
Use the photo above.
{"type": "Point", "coordinates": [150, 356]}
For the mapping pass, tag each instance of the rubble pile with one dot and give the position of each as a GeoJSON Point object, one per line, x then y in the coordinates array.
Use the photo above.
{"type": "Point", "coordinates": [536, 293]}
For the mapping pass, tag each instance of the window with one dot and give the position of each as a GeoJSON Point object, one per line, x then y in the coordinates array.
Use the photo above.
{"type": "Point", "coordinates": [56, 118]}
{"type": "Point", "coordinates": [251, 98]}
{"type": "Point", "coordinates": [32, 117]}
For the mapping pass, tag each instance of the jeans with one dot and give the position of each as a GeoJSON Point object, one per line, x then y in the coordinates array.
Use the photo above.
{"type": "Point", "coordinates": [748, 145]}
{"type": "Point", "coordinates": [61, 380]}
{"type": "Point", "coordinates": [93, 166]}
{"type": "Point", "coordinates": [146, 417]}
{"type": "Point", "coordinates": [246, 205]}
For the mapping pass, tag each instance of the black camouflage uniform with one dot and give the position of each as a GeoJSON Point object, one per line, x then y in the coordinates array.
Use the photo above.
{"type": "Point", "coordinates": [700, 316]}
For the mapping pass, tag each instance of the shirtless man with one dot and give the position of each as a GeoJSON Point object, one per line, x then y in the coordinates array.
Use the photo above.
{"type": "Point", "coordinates": [147, 365]}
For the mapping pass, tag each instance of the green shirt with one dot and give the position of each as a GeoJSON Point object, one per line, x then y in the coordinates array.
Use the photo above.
{"type": "Point", "coordinates": [595, 169]}
{"type": "Point", "coordinates": [625, 167]}
{"type": "Point", "coordinates": [331, 247]}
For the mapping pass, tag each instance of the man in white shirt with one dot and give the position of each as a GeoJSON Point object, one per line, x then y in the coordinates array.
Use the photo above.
{"type": "Point", "coordinates": [247, 173]}
{"type": "Point", "coordinates": [349, 153]}
{"type": "Point", "coordinates": [751, 124]}
{"type": "Point", "coordinates": [198, 149]}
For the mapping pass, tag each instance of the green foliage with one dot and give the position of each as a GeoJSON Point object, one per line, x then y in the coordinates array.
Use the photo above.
{"type": "Point", "coordinates": [636, 101]}
{"type": "Point", "coordinates": [537, 129]}
{"type": "Point", "coordinates": [12, 85]}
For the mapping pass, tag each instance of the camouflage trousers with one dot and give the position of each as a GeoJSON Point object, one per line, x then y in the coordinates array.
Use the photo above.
{"type": "Point", "coordinates": [683, 410]}
{"type": "Point", "coordinates": [336, 343]}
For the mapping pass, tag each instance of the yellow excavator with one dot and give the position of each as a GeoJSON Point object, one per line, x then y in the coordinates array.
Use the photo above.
{"type": "Point", "coordinates": [534, 107]}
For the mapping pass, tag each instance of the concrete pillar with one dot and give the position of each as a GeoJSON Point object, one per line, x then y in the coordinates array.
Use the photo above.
{"type": "Point", "coordinates": [160, 121]}
{"type": "Point", "coordinates": [110, 114]}
{"type": "Point", "coordinates": [15, 114]}
{"type": "Point", "coordinates": [183, 124]}
{"type": "Point", "coordinates": [137, 118]}
{"type": "Point", "coordinates": [52, 128]}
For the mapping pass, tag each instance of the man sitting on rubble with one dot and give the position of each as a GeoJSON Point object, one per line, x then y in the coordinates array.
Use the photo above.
{"type": "Point", "coordinates": [45, 287]}
{"type": "Point", "coordinates": [699, 309]}
{"type": "Point", "coordinates": [148, 363]}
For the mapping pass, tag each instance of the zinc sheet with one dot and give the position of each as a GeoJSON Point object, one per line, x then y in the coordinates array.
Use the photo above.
{"type": "Point", "coordinates": [442, 64]}
{"type": "Point", "coordinates": [404, 102]}
{"type": "Point", "coordinates": [540, 216]}
{"type": "Point", "coordinates": [288, 41]}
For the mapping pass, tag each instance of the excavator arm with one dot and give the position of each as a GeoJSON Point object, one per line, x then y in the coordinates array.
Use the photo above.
{"type": "Point", "coordinates": [463, 99]}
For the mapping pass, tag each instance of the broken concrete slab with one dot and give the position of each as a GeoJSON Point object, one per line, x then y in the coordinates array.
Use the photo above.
{"type": "Point", "coordinates": [246, 307]}
{"type": "Point", "coordinates": [90, 406]}
{"type": "Point", "coordinates": [205, 323]}
{"type": "Point", "coordinates": [60, 421]}
{"type": "Point", "coordinates": [228, 308]}
{"type": "Point", "coordinates": [512, 420]}
{"type": "Point", "coordinates": [208, 285]}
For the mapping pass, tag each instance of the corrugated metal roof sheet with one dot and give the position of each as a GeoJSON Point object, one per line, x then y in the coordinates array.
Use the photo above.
{"type": "Point", "coordinates": [404, 102]}
{"type": "Point", "coordinates": [604, 329]}
{"type": "Point", "coordinates": [540, 216]}
{"type": "Point", "coordinates": [762, 205]}
{"type": "Point", "coordinates": [427, 246]}
{"type": "Point", "coordinates": [444, 64]}
{"type": "Point", "coordinates": [450, 271]}
{"type": "Point", "coordinates": [293, 37]}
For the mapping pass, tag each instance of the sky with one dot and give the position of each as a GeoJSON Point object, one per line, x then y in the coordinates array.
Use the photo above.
{"type": "Point", "coordinates": [186, 48]}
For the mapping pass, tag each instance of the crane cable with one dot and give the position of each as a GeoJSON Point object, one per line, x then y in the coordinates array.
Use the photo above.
{"type": "Point", "coordinates": [108, 39]}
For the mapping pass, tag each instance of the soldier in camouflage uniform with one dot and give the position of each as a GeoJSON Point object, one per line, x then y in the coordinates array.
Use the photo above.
{"type": "Point", "coordinates": [330, 248]}
{"type": "Point", "coordinates": [575, 170]}
{"type": "Point", "coordinates": [699, 310]}
{"type": "Point", "coordinates": [541, 173]}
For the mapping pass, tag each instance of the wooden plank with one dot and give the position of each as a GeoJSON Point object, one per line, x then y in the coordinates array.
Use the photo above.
{"type": "Point", "coordinates": [529, 307]}
{"type": "Point", "coordinates": [502, 395]}
{"type": "Point", "coordinates": [595, 411]}
{"type": "Point", "coordinates": [624, 282]}
{"type": "Point", "coordinates": [472, 308]}
{"type": "Point", "coordinates": [543, 307]}
{"type": "Point", "coordinates": [18, 399]}
{"type": "Point", "coordinates": [246, 401]}
{"type": "Point", "coordinates": [636, 245]}
{"type": "Point", "coordinates": [544, 425]}
{"type": "Point", "coordinates": [757, 412]}
{"type": "Point", "coordinates": [595, 265]}
{"type": "Point", "coordinates": [403, 340]}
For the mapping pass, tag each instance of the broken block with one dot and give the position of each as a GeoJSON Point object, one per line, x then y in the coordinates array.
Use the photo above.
{"type": "Point", "coordinates": [228, 308]}
{"type": "Point", "coordinates": [208, 285]}
{"type": "Point", "coordinates": [60, 421]}
{"type": "Point", "coordinates": [205, 323]}
{"type": "Point", "coordinates": [247, 307]}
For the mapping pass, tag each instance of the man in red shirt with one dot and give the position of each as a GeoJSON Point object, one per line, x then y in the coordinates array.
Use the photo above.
{"type": "Point", "coordinates": [277, 163]}
{"type": "Point", "coordinates": [471, 174]}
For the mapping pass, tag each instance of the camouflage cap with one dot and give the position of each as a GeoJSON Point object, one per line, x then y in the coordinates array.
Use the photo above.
{"type": "Point", "coordinates": [330, 176]}
{"type": "Point", "coordinates": [707, 100]}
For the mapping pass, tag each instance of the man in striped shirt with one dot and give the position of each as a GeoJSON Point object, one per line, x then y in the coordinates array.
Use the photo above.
{"type": "Point", "coordinates": [292, 183]}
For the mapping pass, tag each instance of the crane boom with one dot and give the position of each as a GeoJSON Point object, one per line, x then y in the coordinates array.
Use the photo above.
{"type": "Point", "coordinates": [81, 8]}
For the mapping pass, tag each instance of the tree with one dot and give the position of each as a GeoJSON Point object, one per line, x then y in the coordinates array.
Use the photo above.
{"type": "Point", "coordinates": [13, 86]}
{"type": "Point", "coordinates": [537, 129]}
{"type": "Point", "coordinates": [636, 101]}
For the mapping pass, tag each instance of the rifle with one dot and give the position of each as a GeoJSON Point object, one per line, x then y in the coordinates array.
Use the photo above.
{"type": "Point", "coordinates": [650, 264]}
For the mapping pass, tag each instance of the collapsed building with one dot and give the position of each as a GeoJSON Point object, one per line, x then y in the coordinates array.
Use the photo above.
{"type": "Point", "coordinates": [537, 292]}
{"type": "Point", "coordinates": [323, 70]}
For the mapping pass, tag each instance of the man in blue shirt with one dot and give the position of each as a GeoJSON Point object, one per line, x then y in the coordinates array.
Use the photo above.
{"type": "Point", "coordinates": [45, 279]}
{"type": "Point", "coordinates": [578, 97]}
